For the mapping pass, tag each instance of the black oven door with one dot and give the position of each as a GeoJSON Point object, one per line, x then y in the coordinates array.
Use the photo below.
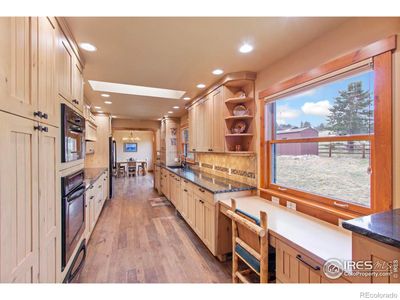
{"type": "Point", "coordinates": [73, 139]}
{"type": "Point", "coordinates": [73, 221]}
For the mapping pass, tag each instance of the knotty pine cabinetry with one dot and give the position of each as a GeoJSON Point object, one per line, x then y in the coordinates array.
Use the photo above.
{"type": "Point", "coordinates": [206, 128]}
{"type": "Point", "coordinates": [196, 205]}
{"type": "Point", "coordinates": [95, 196]}
{"type": "Point", "coordinates": [212, 117]}
{"type": "Point", "coordinates": [293, 266]}
{"type": "Point", "coordinates": [30, 198]}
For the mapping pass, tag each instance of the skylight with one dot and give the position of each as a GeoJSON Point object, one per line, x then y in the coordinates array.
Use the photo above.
{"type": "Point", "coordinates": [129, 89]}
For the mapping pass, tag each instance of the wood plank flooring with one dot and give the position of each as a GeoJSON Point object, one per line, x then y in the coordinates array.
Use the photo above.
{"type": "Point", "coordinates": [134, 242]}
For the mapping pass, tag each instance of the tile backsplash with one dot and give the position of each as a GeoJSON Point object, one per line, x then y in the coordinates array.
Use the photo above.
{"type": "Point", "coordinates": [235, 167]}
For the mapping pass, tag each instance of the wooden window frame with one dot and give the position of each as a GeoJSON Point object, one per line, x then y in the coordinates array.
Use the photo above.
{"type": "Point", "coordinates": [189, 160]}
{"type": "Point", "coordinates": [381, 141]}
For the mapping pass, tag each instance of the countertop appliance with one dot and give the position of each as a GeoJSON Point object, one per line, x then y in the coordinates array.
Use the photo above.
{"type": "Point", "coordinates": [73, 215]}
{"type": "Point", "coordinates": [73, 135]}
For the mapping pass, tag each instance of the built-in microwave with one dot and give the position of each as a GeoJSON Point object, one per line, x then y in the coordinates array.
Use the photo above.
{"type": "Point", "coordinates": [73, 135]}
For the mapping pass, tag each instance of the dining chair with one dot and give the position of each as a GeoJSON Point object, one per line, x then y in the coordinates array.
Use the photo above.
{"type": "Point", "coordinates": [121, 170]}
{"type": "Point", "coordinates": [131, 168]}
{"type": "Point", "coordinates": [249, 245]}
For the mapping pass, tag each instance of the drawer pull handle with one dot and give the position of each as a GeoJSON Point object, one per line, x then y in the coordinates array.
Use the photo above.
{"type": "Point", "coordinates": [185, 181]}
{"type": "Point", "coordinates": [91, 197]}
{"type": "Point", "coordinates": [340, 204]}
{"type": "Point", "coordinates": [316, 268]}
{"type": "Point", "coordinates": [185, 190]}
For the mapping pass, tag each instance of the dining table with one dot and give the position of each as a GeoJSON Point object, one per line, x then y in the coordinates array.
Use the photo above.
{"type": "Point", "coordinates": [139, 162]}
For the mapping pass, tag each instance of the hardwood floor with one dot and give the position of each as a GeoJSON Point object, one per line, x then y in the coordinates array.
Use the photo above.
{"type": "Point", "coordinates": [136, 242]}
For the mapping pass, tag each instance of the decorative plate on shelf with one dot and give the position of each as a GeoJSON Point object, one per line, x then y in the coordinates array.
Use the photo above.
{"type": "Point", "coordinates": [240, 110]}
{"type": "Point", "coordinates": [239, 127]}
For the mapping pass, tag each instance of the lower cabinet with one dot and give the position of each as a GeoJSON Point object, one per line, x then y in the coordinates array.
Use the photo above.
{"type": "Point", "coordinates": [293, 266]}
{"type": "Point", "coordinates": [30, 204]}
{"type": "Point", "coordinates": [96, 195]}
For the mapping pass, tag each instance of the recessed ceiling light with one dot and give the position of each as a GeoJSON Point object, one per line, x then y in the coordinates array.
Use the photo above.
{"type": "Point", "coordinates": [105, 95]}
{"type": "Point", "coordinates": [218, 71]}
{"type": "Point", "coordinates": [159, 119]}
{"type": "Point", "coordinates": [107, 102]}
{"type": "Point", "coordinates": [97, 107]}
{"type": "Point", "coordinates": [246, 48]}
{"type": "Point", "coordinates": [201, 86]}
{"type": "Point", "coordinates": [113, 117]}
{"type": "Point", "coordinates": [176, 107]}
{"type": "Point", "coordinates": [87, 47]}
{"type": "Point", "coordinates": [100, 111]}
{"type": "Point", "coordinates": [186, 98]}
{"type": "Point", "coordinates": [170, 112]}
{"type": "Point", "coordinates": [135, 90]}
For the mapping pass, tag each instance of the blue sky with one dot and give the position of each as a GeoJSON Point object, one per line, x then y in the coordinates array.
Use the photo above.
{"type": "Point", "coordinates": [313, 105]}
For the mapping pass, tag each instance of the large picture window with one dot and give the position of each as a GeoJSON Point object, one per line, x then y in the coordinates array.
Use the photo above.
{"type": "Point", "coordinates": [327, 140]}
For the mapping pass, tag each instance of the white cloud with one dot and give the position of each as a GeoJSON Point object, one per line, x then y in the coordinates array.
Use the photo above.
{"type": "Point", "coordinates": [285, 112]}
{"type": "Point", "coordinates": [320, 108]}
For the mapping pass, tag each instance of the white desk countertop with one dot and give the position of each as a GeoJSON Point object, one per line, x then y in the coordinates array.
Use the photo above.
{"type": "Point", "coordinates": [318, 237]}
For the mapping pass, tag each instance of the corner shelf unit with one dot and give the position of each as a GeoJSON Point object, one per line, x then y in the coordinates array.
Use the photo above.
{"type": "Point", "coordinates": [240, 143]}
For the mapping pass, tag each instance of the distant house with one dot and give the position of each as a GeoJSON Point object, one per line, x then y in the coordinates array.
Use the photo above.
{"type": "Point", "coordinates": [297, 148]}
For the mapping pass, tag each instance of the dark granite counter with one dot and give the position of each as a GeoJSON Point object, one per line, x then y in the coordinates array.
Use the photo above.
{"type": "Point", "coordinates": [92, 174]}
{"type": "Point", "coordinates": [209, 182]}
{"type": "Point", "coordinates": [383, 227]}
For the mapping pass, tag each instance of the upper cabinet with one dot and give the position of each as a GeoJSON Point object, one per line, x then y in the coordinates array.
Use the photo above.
{"type": "Point", "coordinates": [27, 68]}
{"type": "Point", "coordinates": [70, 78]}
{"type": "Point", "coordinates": [223, 119]}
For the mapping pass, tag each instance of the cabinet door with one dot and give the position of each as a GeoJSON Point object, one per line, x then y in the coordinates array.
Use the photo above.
{"type": "Point", "coordinates": [19, 226]}
{"type": "Point", "coordinates": [209, 226]}
{"type": "Point", "coordinates": [92, 210]}
{"type": "Point", "coordinates": [200, 130]}
{"type": "Point", "coordinates": [184, 202]}
{"type": "Point", "coordinates": [49, 207]}
{"type": "Point", "coordinates": [199, 216]}
{"type": "Point", "coordinates": [48, 102]}
{"type": "Point", "coordinates": [178, 199]}
{"type": "Point", "coordinates": [77, 85]}
{"type": "Point", "coordinates": [218, 125]}
{"type": "Point", "coordinates": [105, 186]}
{"type": "Point", "coordinates": [192, 128]}
{"type": "Point", "coordinates": [64, 67]}
{"type": "Point", "coordinates": [191, 215]}
{"type": "Point", "coordinates": [18, 52]}
{"type": "Point", "coordinates": [208, 125]}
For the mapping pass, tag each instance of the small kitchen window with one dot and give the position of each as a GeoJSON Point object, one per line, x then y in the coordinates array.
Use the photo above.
{"type": "Point", "coordinates": [185, 144]}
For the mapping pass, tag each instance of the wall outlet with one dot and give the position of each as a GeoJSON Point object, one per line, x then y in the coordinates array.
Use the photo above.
{"type": "Point", "coordinates": [291, 205]}
{"type": "Point", "coordinates": [275, 199]}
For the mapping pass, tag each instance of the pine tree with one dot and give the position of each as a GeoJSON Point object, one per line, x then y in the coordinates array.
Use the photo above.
{"type": "Point", "coordinates": [351, 113]}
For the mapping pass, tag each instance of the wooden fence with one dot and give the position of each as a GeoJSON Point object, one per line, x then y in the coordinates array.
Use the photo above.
{"type": "Point", "coordinates": [349, 148]}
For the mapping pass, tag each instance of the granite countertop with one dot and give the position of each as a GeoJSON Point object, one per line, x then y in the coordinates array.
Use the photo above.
{"type": "Point", "coordinates": [212, 183]}
{"type": "Point", "coordinates": [92, 174]}
{"type": "Point", "coordinates": [383, 227]}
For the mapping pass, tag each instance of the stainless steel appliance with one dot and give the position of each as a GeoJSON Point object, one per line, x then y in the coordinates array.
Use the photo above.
{"type": "Point", "coordinates": [73, 135]}
{"type": "Point", "coordinates": [73, 214]}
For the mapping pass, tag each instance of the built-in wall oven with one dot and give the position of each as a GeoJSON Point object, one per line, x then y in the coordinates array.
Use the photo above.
{"type": "Point", "coordinates": [73, 135]}
{"type": "Point", "coordinates": [73, 219]}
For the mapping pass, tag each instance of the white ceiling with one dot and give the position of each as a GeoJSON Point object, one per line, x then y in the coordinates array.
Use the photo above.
{"type": "Point", "coordinates": [178, 53]}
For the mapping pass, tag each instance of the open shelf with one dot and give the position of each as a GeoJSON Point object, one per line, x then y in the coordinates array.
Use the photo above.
{"type": "Point", "coordinates": [238, 134]}
{"type": "Point", "coordinates": [239, 117]}
{"type": "Point", "coordinates": [239, 100]}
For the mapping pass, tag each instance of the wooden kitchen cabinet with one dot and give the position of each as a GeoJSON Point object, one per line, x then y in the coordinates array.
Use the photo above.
{"type": "Point", "coordinates": [199, 216]}
{"type": "Point", "coordinates": [64, 59]}
{"type": "Point", "coordinates": [49, 207]}
{"type": "Point", "coordinates": [27, 65]}
{"type": "Point", "coordinates": [193, 128]}
{"type": "Point", "coordinates": [77, 85]}
{"type": "Point", "coordinates": [48, 103]}
{"type": "Point", "coordinates": [19, 200]}
{"type": "Point", "coordinates": [293, 266]}
{"type": "Point", "coordinates": [218, 123]}
{"type": "Point", "coordinates": [90, 131]}
{"type": "Point", "coordinates": [209, 225]}
{"type": "Point", "coordinates": [89, 211]}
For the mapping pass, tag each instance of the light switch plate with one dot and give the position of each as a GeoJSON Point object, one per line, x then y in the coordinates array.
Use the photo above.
{"type": "Point", "coordinates": [291, 205]}
{"type": "Point", "coordinates": [275, 199]}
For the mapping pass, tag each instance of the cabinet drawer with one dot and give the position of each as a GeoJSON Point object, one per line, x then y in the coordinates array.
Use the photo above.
{"type": "Point", "coordinates": [203, 194]}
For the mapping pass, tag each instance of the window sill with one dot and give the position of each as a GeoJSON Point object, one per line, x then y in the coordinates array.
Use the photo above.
{"type": "Point", "coordinates": [339, 213]}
